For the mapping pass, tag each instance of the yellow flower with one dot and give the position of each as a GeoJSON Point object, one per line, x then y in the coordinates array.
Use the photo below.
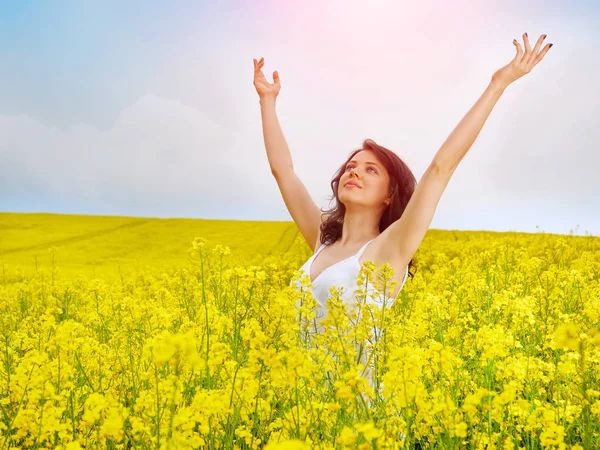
{"type": "Point", "coordinates": [94, 405]}
{"type": "Point", "coordinates": [113, 423]}
{"type": "Point", "coordinates": [509, 395]}
{"type": "Point", "coordinates": [221, 250]}
{"type": "Point", "coordinates": [347, 436]}
{"type": "Point", "coordinates": [73, 445]}
{"type": "Point", "coordinates": [244, 432]}
{"type": "Point", "coordinates": [198, 243]}
{"type": "Point", "coordinates": [595, 408]}
{"type": "Point", "coordinates": [163, 351]}
{"type": "Point", "coordinates": [343, 391]}
{"type": "Point", "coordinates": [567, 336]}
{"type": "Point", "coordinates": [368, 430]}
{"type": "Point", "coordinates": [474, 399]}
{"type": "Point", "coordinates": [290, 444]}
{"type": "Point", "coordinates": [460, 429]}
{"type": "Point", "coordinates": [552, 434]}
{"type": "Point", "coordinates": [595, 334]}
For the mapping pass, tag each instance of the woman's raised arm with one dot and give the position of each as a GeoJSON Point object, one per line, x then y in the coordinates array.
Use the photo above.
{"type": "Point", "coordinates": [399, 242]}
{"type": "Point", "coordinates": [304, 211]}
{"type": "Point", "coordinates": [278, 152]}
{"type": "Point", "coordinates": [462, 137]}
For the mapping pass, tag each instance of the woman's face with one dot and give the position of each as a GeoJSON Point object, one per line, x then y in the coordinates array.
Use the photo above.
{"type": "Point", "coordinates": [372, 180]}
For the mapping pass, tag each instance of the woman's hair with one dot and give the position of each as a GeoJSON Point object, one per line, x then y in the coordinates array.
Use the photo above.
{"type": "Point", "coordinates": [401, 187]}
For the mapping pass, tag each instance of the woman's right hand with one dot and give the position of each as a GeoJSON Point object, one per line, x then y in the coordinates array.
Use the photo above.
{"type": "Point", "coordinates": [263, 87]}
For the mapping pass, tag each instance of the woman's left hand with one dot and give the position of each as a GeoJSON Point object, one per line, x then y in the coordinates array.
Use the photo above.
{"type": "Point", "coordinates": [522, 63]}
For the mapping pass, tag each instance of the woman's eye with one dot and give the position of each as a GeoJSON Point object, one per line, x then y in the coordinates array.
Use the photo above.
{"type": "Point", "coordinates": [352, 167]}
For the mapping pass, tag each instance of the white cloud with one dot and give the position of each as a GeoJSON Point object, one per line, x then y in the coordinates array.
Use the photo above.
{"type": "Point", "coordinates": [158, 152]}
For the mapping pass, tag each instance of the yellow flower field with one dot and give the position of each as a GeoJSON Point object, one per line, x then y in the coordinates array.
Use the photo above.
{"type": "Point", "coordinates": [493, 344]}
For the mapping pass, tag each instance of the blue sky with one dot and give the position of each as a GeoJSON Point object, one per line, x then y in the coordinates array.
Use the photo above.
{"type": "Point", "coordinates": [148, 108]}
{"type": "Point", "coordinates": [72, 62]}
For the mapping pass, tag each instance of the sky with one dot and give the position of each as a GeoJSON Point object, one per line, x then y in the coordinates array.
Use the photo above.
{"type": "Point", "coordinates": [148, 109]}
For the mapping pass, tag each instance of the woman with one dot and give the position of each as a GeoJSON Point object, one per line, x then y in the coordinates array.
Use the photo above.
{"type": "Point", "coordinates": [380, 215]}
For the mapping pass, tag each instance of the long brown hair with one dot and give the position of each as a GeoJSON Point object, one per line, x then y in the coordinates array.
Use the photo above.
{"type": "Point", "coordinates": [401, 187]}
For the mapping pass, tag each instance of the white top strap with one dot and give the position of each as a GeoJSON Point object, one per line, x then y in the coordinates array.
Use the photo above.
{"type": "Point", "coordinates": [319, 249]}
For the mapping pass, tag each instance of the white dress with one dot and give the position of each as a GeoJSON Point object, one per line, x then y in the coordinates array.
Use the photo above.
{"type": "Point", "coordinates": [341, 274]}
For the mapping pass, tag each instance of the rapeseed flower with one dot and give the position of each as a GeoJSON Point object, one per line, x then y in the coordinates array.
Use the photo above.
{"type": "Point", "coordinates": [493, 343]}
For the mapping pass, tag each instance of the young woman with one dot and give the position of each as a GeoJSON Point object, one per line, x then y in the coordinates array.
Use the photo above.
{"type": "Point", "coordinates": [381, 214]}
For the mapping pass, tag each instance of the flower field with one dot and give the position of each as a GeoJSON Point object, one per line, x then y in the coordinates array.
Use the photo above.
{"type": "Point", "coordinates": [495, 343]}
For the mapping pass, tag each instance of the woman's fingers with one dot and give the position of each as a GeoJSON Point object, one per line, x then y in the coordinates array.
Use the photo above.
{"type": "Point", "coordinates": [529, 56]}
{"type": "Point", "coordinates": [260, 76]}
{"type": "Point", "coordinates": [534, 55]}
{"type": "Point", "coordinates": [541, 54]}
{"type": "Point", "coordinates": [519, 50]}
{"type": "Point", "coordinates": [258, 64]}
{"type": "Point", "coordinates": [538, 44]}
{"type": "Point", "coordinates": [527, 48]}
